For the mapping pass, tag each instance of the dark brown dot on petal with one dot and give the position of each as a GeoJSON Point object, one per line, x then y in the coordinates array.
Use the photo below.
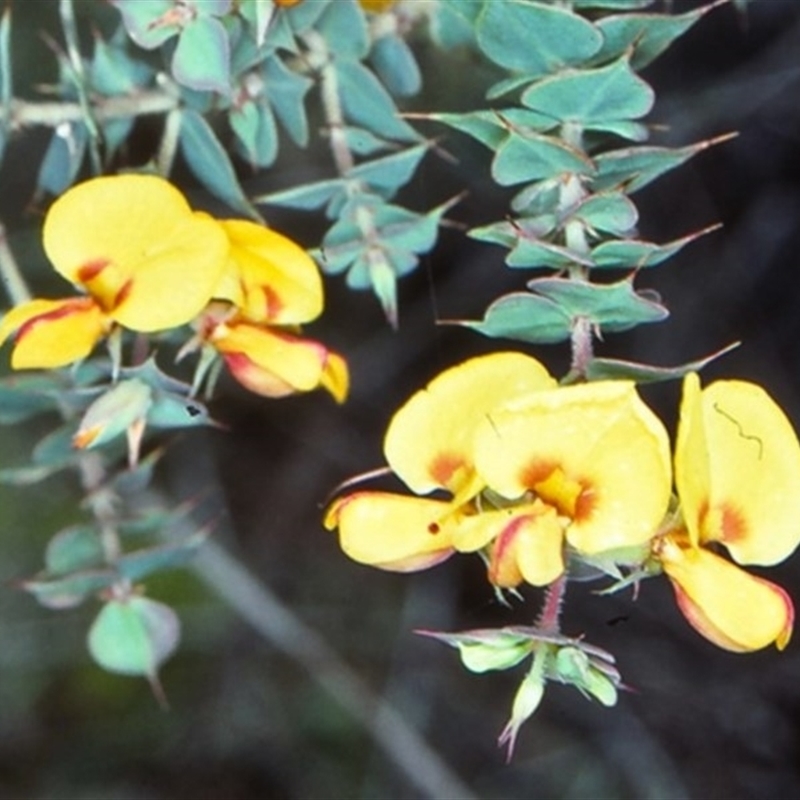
{"type": "Point", "coordinates": [433, 528]}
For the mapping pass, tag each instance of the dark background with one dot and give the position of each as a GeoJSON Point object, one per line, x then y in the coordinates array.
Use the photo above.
{"type": "Point", "coordinates": [248, 722]}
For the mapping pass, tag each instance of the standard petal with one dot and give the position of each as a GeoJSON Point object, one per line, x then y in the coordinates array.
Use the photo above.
{"type": "Point", "coordinates": [138, 248]}
{"type": "Point", "coordinates": [733, 609]}
{"type": "Point", "coordinates": [429, 441]}
{"type": "Point", "coordinates": [692, 466]}
{"type": "Point", "coordinates": [390, 531]}
{"type": "Point", "coordinates": [53, 333]}
{"type": "Point", "coordinates": [279, 282]}
{"type": "Point", "coordinates": [754, 507]}
{"type": "Point", "coordinates": [595, 451]}
{"type": "Point", "coordinates": [268, 362]}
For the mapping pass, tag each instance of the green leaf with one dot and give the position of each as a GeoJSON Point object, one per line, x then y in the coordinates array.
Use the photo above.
{"type": "Point", "coordinates": [625, 5]}
{"type": "Point", "coordinates": [396, 66]}
{"type": "Point", "coordinates": [63, 158]}
{"type": "Point", "coordinates": [637, 254]}
{"type": "Point", "coordinates": [114, 412]}
{"type": "Point", "coordinates": [532, 156]}
{"type": "Point", "coordinates": [136, 479]}
{"type": "Point", "coordinates": [210, 163]}
{"type": "Point", "coordinates": [392, 171]}
{"type": "Point", "coordinates": [591, 97]}
{"type": "Point", "coordinates": [610, 212]}
{"type": "Point", "coordinates": [255, 131]}
{"type": "Point", "coordinates": [344, 25]}
{"type": "Point", "coordinates": [306, 197]}
{"type": "Point", "coordinates": [535, 38]}
{"type": "Point", "coordinates": [613, 307]}
{"type": "Point", "coordinates": [55, 449]}
{"type": "Point", "coordinates": [174, 411]}
{"type": "Point", "coordinates": [286, 91]}
{"type": "Point", "coordinates": [492, 127]}
{"type": "Point", "coordinates": [632, 168]}
{"type": "Point", "coordinates": [600, 369]}
{"type": "Point", "coordinates": [483, 657]}
{"type": "Point", "coordinates": [648, 35]}
{"type": "Point", "coordinates": [114, 72]}
{"type": "Point", "coordinates": [141, 563]}
{"type": "Point", "coordinates": [523, 317]}
{"type": "Point", "coordinates": [134, 636]}
{"type": "Point", "coordinates": [29, 475]}
{"type": "Point", "coordinates": [366, 103]}
{"type": "Point", "coordinates": [70, 590]}
{"type": "Point", "coordinates": [452, 23]}
{"type": "Point", "coordinates": [71, 549]}
{"type": "Point", "coordinates": [202, 59]}
{"type": "Point", "coordinates": [142, 20]}
{"type": "Point", "coordinates": [363, 142]}
{"type": "Point", "coordinates": [304, 15]}
{"type": "Point", "coordinates": [23, 396]}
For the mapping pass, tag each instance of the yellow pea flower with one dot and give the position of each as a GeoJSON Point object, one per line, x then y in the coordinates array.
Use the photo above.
{"type": "Point", "coordinates": [376, 6]}
{"type": "Point", "coordinates": [271, 285]}
{"type": "Point", "coordinates": [429, 445]}
{"type": "Point", "coordinates": [737, 474]}
{"type": "Point", "coordinates": [145, 260]}
{"type": "Point", "coordinates": [597, 461]}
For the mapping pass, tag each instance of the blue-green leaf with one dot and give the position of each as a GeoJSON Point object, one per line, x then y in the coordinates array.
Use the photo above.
{"type": "Point", "coordinates": [202, 59]}
{"type": "Point", "coordinates": [601, 369]}
{"type": "Point", "coordinates": [210, 163]}
{"type": "Point", "coordinates": [392, 171]}
{"type": "Point", "coordinates": [396, 66]}
{"type": "Point", "coordinates": [610, 212]}
{"type": "Point", "coordinates": [114, 72]}
{"type": "Point", "coordinates": [143, 21]}
{"type": "Point", "coordinates": [637, 254]}
{"type": "Point", "coordinates": [256, 133]}
{"type": "Point", "coordinates": [68, 591]}
{"type": "Point", "coordinates": [344, 25]}
{"type": "Point", "coordinates": [71, 549]}
{"type": "Point", "coordinates": [140, 563]}
{"type": "Point", "coordinates": [306, 197]}
{"type": "Point", "coordinates": [648, 35]}
{"type": "Point", "coordinates": [63, 158]}
{"type": "Point", "coordinates": [592, 96]}
{"type": "Point", "coordinates": [523, 317]}
{"type": "Point", "coordinates": [534, 156]}
{"type": "Point", "coordinates": [134, 636]}
{"type": "Point", "coordinates": [363, 142]}
{"type": "Point", "coordinates": [632, 168]}
{"type": "Point", "coordinates": [55, 449]}
{"type": "Point", "coordinates": [613, 307]}
{"type": "Point", "coordinates": [286, 91]}
{"type": "Point", "coordinates": [535, 38]}
{"type": "Point", "coordinates": [368, 104]}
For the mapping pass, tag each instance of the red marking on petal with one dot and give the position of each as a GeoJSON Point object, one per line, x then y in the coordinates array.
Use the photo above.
{"type": "Point", "coordinates": [70, 307]}
{"type": "Point", "coordinates": [272, 302]}
{"type": "Point", "coordinates": [586, 502]}
{"type": "Point", "coordinates": [501, 572]}
{"type": "Point", "coordinates": [536, 472]}
{"type": "Point", "coordinates": [443, 467]}
{"type": "Point", "coordinates": [123, 293]}
{"type": "Point", "coordinates": [733, 524]}
{"type": "Point", "coordinates": [91, 269]}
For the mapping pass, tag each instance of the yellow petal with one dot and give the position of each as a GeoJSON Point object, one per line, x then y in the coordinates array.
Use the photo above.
{"type": "Point", "coordinates": [692, 466]}
{"type": "Point", "coordinates": [391, 531]}
{"type": "Point", "coordinates": [594, 451]}
{"type": "Point", "coordinates": [754, 505]}
{"type": "Point", "coordinates": [429, 442]}
{"type": "Point", "coordinates": [278, 281]}
{"type": "Point", "coordinates": [335, 377]}
{"type": "Point", "coordinates": [53, 333]}
{"type": "Point", "coordinates": [137, 247]}
{"type": "Point", "coordinates": [529, 549]}
{"type": "Point", "coordinates": [268, 362]}
{"type": "Point", "coordinates": [734, 610]}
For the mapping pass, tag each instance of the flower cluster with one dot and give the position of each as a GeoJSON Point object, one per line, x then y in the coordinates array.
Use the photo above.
{"type": "Point", "coordinates": [540, 475]}
{"type": "Point", "coordinates": [147, 262]}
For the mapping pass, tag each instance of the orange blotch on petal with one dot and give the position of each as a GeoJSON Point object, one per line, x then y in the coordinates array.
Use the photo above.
{"type": "Point", "coordinates": [91, 269]}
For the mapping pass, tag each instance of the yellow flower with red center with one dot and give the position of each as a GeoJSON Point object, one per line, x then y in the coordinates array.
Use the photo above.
{"type": "Point", "coordinates": [429, 446]}
{"type": "Point", "coordinates": [597, 461]}
{"type": "Point", "coordinates": [145, 260]}
{"type": "Point", "coordinates": [737, 474]}
{"type": "Point", "coordinates": [272, 286]}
